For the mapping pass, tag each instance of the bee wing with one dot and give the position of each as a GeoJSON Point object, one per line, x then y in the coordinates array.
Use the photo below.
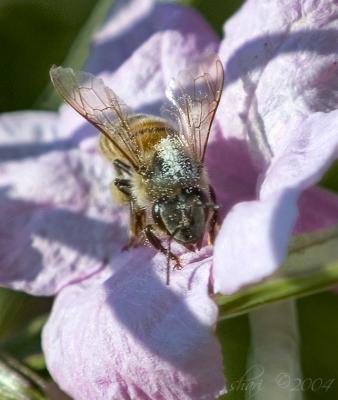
{"type": "Point", "coordinates": [194, 96]}
{"type": "Point", "coordinates": [100, 106]}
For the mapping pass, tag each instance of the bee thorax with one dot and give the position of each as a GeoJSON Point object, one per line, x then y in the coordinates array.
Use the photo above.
{"type": "Point", "coordinates": [171, 165]}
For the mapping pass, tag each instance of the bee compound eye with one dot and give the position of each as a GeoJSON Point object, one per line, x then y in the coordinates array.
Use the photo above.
{"type": "Point", "coordinates": [166, 213]}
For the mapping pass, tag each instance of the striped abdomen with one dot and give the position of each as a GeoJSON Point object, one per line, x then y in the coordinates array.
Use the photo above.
{"type": "Point", "coordinates": [147, 131]}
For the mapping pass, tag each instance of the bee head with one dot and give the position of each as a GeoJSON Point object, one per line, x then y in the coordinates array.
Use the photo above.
{"type": "Point", "coordinates": [183, 216]}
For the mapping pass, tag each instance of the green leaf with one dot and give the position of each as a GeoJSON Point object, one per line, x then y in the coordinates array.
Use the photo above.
{"type": "Point", "coordinates": [330, 181]}
{"type": "Point", "coordinates": [234, 336]}
{"type": "Point", "coordinates": [25, 344]}
{"type": "Point", "coordinates": [318, 324]}
{"type": "Point", "coordinates": [78, 51]}
{"type": "Point", "coordinates": [21, 321]}
{"type": "Point", "coordinates": [216, 12]}
{"type": "Point", "coordinates": [17, 382]}
{"type": "Point", "coordinates": [16, 311]}
{"type": "Point", "coordinates": [35, 35]}
{"type": "Point", "coordinates": [312, 266]}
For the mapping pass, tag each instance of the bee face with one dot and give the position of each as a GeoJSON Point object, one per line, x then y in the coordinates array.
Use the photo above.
{"type": "Point", "coordinates": [182, 216]}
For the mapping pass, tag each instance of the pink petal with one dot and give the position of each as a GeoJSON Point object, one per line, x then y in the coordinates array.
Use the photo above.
{"type": "Point", "coordinates": [301, 163]}
{"type": "Point", "coordinates": [123, 31]}
{"type": "Point", "coordinates": [318, 209]}
{"type": "Point", "coordinates": [59, 224]}
{"type": "Point", "coordinates": [232, 173]}
{"type": "Point", "coordinates": [165, 41]}
{"type": "Point", "coordinates": [27, 134]}
{"type": "Point", "coordinates": [253, 240]}
{"type": "Point", "coordinates": [131, 24]}
{"type": "Point", "coordinates": [26, 127]}
{"type": "Point", "coordinates": [134, 337]}
{"type": "Point", "coordinates": [279, 69]}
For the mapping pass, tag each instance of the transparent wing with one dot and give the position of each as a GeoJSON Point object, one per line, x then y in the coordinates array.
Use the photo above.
{"type": "Point", "coordinates": [99, 105]}
{"type": "Point", "coordinates": [194, 96]}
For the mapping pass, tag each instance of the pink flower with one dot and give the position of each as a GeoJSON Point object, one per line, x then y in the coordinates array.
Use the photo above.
{"type": "Point", "coordinates": [116, 331]}
{"type": "Point", "coordinates": [282, 76]}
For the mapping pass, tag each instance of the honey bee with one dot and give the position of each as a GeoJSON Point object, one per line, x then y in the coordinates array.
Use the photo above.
{"type": "Point", "coordinates": [159, 162]}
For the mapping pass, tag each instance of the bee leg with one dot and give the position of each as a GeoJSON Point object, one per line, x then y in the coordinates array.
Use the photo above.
{"type": "Point", "coordinates": [122, 167]}
{"type": "Point", "coordinates": [136, 215]}
{"type": "Point", "coordinates": [156, 242]}
{"type": "Point", "coordinates": [137, 218]}
{"type": "Point", "coordinates": [123, 185]}
{"type": "Point", "coordinates": [213, 223]}
{"type": "Point", "coordinates": [212, 227]}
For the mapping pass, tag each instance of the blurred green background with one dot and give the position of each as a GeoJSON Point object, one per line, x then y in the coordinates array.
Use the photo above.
{"type": "Point", "coordinates": [38, 33]}
{"type": "Point", "coordinates": [34, 34]}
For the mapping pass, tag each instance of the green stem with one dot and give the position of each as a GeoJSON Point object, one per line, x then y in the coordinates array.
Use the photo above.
{"type": "Point", "coordinates": [273, 366]}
